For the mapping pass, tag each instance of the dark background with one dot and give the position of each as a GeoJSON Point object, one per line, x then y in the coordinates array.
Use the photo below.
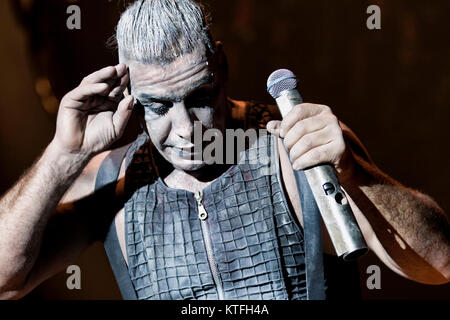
{"type": "Point", "coordinates": [391, 86]}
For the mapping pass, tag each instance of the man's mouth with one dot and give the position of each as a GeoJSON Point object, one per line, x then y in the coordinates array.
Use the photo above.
{"type": "Point", "coordinates": [185, 152]}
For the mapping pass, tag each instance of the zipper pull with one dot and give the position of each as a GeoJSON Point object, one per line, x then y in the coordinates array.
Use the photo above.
{"type": "Point", "coordinates": [202, 214]}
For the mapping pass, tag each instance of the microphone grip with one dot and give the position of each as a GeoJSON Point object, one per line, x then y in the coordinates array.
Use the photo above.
{"type": "Point", "coordinates": [336, 212]}
{"type": "Point", "coordinates": [331, 200]}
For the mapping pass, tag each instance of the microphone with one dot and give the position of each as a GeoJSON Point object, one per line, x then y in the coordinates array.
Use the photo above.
{"type": "Point", "coordinates": [330, 198]}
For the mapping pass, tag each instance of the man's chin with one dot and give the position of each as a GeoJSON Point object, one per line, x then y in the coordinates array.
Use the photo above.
{"type": "Point", "coordinates": [188, 165]}
{"type": "Point", "coordinates": [184, 164]}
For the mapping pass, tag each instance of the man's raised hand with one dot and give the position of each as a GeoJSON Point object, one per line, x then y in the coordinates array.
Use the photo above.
{"type": "Point", "coordinates": [94, 115]}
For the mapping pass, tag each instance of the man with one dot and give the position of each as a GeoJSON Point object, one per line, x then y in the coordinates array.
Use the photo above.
{"type": "Point", "coordinates": [174, 227]}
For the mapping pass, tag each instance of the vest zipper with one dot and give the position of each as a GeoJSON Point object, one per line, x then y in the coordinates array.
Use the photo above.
{"type": "Point", "coordinates": [203, 215]}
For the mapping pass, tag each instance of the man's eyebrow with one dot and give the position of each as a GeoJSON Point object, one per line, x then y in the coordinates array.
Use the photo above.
{"type": "Point", "coordinates": [152, 98]}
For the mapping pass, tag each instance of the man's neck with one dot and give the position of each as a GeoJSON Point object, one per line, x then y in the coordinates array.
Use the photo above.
{"type": "Point", "coordinates": [194, 181]}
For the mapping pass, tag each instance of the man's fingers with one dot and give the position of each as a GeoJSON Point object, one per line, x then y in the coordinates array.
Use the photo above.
{"type": "Point", "coordinates": [122, 114]}
{"type": "Point", "coordinates": [105, 106]}
{"type": "Point", "coordinates": [302, 128]}
{"type": "Point", "coordinates": [309, 142]}
{"type": "Point", "coordinates": [84, 92]}
{"type": "Point", "coordinates": [300, 112]}
{"type": "Point", "coordinates": [313, 157]}
{"type": "Point", "coordinates": [116, 93]}
{"type": "Point", "coordinates": [106, 74]}
{"type": "Point", "coordinates": [274, 127]}
{"type": "Point", "coordinates": [92, 95]}
{"type": "Point", "coordinates": [101, 75]}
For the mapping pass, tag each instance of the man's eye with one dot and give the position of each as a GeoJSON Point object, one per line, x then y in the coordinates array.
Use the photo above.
{"type": "Point", "coordinates": [157, 108]}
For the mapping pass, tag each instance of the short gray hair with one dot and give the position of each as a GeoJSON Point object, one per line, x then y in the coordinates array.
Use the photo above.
{"type": "Point", "coordinates": [159, 31]}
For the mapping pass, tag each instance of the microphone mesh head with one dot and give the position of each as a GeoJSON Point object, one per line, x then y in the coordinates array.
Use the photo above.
{"type": "Point", "coordinates": [279, 81]}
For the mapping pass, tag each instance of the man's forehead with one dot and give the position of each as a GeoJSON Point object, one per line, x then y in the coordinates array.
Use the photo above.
{"type": "Point", "coordinates": [172, 80]}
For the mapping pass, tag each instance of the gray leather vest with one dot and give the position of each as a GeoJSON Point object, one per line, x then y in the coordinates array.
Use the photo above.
{"type": "Point", "coordinates": [249, 246]}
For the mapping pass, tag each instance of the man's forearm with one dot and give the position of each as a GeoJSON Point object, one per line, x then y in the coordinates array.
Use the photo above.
{"type": "Point", "coordinates": [26, 208]}
{"type": "Point", "coordinates": [410, 226]}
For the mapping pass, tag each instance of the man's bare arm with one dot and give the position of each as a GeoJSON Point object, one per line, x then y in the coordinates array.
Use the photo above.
{"type": "Point", "coordinates": [90, 118]}
{"type": "Point", "coordinates": [407, 230]}
{"type": "Point", "coordinates": [24, 214]}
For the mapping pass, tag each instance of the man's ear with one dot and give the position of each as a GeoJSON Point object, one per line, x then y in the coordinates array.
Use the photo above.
{"type": "Point", "coordinates": [222, 62]}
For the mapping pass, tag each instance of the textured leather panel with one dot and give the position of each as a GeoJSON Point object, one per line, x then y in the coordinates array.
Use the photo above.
{"type": "Point", "coordinates": [166, 252]}
{"type": "Point", "coordinates": [342, 278]}
{"type": "Point", "coordinates": [257, 245]}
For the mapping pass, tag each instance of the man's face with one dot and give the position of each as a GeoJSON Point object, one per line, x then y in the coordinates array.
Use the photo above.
{"type": "Point", "coordinates": [173, 98]}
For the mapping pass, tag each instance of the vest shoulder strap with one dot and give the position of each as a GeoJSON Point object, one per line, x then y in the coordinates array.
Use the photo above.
{"type": "Point", "coordinates": [107, 179]}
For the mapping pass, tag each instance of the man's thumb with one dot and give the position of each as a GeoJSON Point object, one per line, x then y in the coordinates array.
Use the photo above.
{"type": "Point", "coordinates": [122, 114]}
{"type": "Point", "coordinates": [274, 127]}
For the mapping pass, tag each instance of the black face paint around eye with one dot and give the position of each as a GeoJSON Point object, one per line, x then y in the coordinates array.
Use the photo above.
{"type": "Point", "coordinates": [160, 110]}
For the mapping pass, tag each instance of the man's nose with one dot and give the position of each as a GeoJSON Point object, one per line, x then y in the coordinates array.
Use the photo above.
{"type": "Point", "coordinates": [182, 122]}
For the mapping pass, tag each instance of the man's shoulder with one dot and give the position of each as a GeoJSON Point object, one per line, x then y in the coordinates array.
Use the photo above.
{"type": "Point", "coordinates": [84, 185]}
{"type": "Point", "coordinates": [254, 114]}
